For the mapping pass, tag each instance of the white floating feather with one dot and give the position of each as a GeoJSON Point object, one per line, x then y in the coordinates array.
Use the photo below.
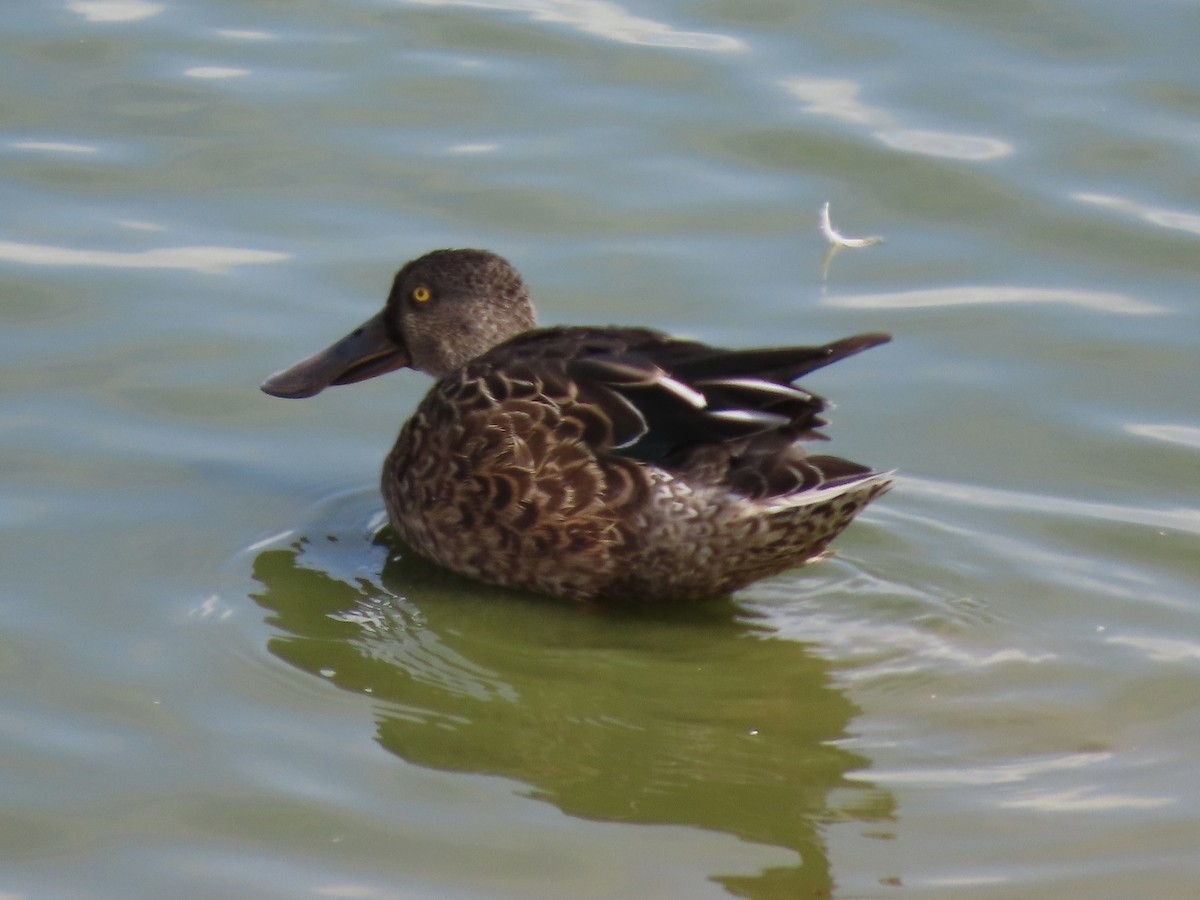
{"type": "Point", "coordinates": [836, 238]}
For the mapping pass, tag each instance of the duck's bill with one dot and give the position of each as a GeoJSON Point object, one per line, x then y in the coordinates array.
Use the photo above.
{"type": "Point", "coordinates": [365, 352]}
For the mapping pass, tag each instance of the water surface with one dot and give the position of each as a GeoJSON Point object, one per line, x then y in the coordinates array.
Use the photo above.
{"type": "Point", "coordinates": [219, 680]}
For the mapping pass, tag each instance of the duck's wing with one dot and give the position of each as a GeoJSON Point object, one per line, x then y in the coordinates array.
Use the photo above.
{"type": "Point", "coordinates": [667, 396]}
{"type": "Point", "coordinates": [728, 417]}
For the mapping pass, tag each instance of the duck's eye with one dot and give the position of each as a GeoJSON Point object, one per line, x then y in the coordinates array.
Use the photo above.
{"type": "Point", "coordinates": [421, 294]}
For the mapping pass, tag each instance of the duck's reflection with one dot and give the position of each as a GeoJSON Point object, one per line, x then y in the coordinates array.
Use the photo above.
{"type": "Point", "coordinates": [690, 716]}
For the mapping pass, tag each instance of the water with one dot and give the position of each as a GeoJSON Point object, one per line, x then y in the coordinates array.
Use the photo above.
{"type": "Point", "coordinates": [216, 682]}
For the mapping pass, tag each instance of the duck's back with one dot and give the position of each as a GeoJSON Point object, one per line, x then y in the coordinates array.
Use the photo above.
{"type": "Point", "coordinates": [600, 462]}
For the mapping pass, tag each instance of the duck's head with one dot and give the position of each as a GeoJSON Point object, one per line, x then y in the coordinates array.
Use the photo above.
{"type": "Point", "coordinates": [445, 308]}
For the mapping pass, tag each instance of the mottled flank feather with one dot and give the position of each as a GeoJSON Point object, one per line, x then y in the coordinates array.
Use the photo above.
{"type": "Point", "coordinates": [591, 462]}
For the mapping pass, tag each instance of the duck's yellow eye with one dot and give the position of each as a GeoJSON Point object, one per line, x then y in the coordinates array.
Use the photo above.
{"type": "Point", "coordinates": [421, 294]}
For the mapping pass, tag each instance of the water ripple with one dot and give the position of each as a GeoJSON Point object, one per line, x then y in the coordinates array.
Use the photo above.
{"type": "Point", "coordinates": [1185, 519]}
{"type": "Point", "coordinates": [837, 98]}
{"type": "Point", "coordinates": [1174, 219]}
{"type": "Point", "coordinates": [1159, 649]}
{"type": "Point", "coordinates": [1003, 773]}
{"type": "Point", "coordinates": [1083, 800]}
{"type": "Point", "coordinates": [603, 19]}
{"type": "Point", "coordinates": [944, 143]}
{"type": "Point", "coordinates": [1187, 435]}
{"type": "Point", "coordinates": [115, 10]}
{"type": "Point", "coordinates": [215, 72]}
{"type": "Point", "coordinates": [980, 295]}
{"type": "Point", "coordinates": [198, 259]}
{"type": "Point", "coordinates": [54, 147]}
{"type": "Point", "coordinates": [887, 650]}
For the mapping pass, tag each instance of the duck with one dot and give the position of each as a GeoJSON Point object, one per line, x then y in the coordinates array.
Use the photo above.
{"type": "Point", "coordinates": [593, 463]}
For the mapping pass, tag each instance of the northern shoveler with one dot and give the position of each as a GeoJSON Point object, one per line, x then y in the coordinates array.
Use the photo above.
{"type": "Point", "coordinates": [593, 462]}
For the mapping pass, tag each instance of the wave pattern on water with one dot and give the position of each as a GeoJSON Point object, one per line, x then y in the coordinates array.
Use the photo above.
{"type": "Point", "coordinates": [213, 260]}
{"type": "Point", "coordinates": [984, 295]}
{"type": "Point", "coordinates": [994, 681]}
{"type": "Point", "coordinates": [602, 19]}
{"type": "Point", "coordinates": [838, 98]}
{"type": "Point", "coordinates": [105, 11]}
{"type": "Point", "coordinates": [1174, 219]}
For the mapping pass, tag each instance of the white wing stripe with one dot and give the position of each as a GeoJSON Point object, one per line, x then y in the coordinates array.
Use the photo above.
{"type": "Point", "coordinates": [684, 392]}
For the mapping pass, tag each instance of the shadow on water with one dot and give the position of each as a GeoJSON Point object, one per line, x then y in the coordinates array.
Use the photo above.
{"type": "Point", "coordinates": [691, 716]}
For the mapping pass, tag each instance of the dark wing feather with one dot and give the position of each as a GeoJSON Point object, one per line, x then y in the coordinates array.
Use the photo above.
{"type": "Point", "coordinates": [690, 394]}
{"type": "Point", "coordinates": [782, 365]}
